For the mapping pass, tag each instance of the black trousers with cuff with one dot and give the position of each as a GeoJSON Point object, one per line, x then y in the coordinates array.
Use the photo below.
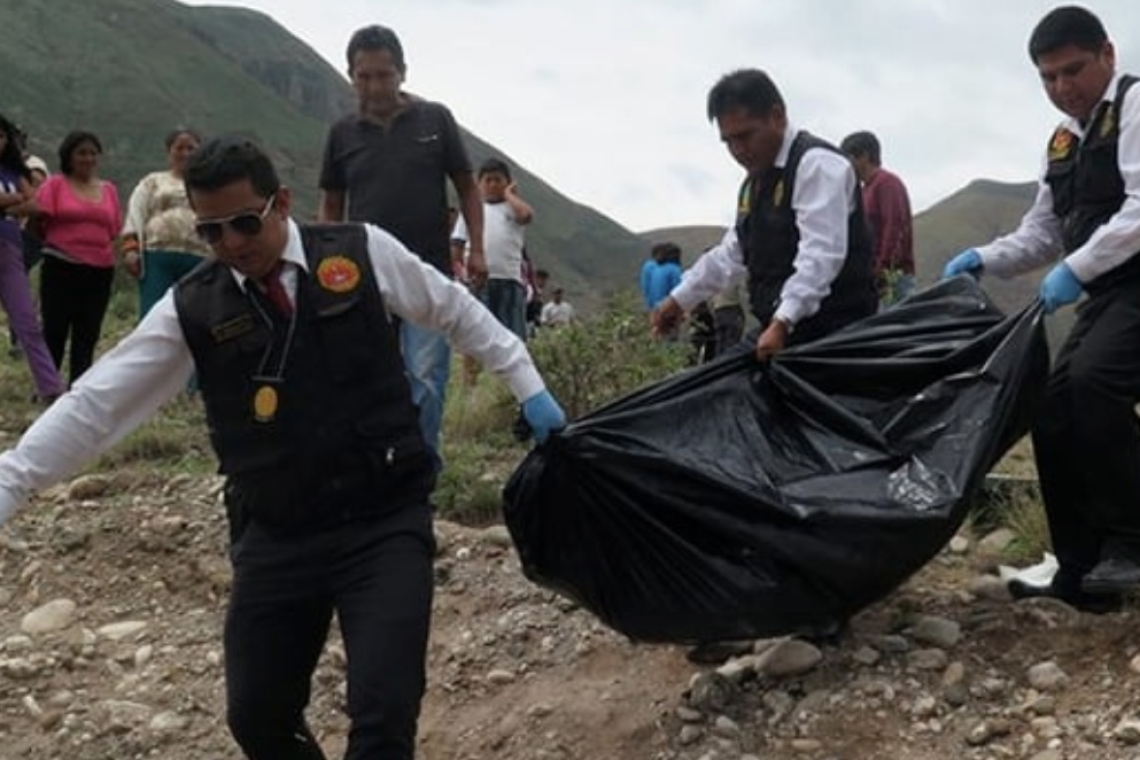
{"type": "Point", "coordinates": [1086, 436]}
{"type": "Point", "coordinates": [376, 575]}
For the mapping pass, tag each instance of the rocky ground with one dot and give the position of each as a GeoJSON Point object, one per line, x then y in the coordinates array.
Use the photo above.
{"type": "Point", "coordinates": [113, 589]}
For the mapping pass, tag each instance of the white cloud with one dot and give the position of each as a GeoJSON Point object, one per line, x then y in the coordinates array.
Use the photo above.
{"type": "Point", "coordinates": [605, 100]}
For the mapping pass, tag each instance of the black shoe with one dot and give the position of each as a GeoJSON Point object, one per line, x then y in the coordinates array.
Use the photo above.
{"type": "Point", "coordinates": [1095, 603]}
{"type": "Point", "coordinates": [1112, 576]}
{"type": "Point", "coordinates": [829, 635]}
{"type": "Point", "coordinates": [717, 652]}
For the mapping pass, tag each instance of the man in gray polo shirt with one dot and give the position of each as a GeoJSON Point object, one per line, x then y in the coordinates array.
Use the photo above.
{"type": "Point", "coordinates": [388, 164]}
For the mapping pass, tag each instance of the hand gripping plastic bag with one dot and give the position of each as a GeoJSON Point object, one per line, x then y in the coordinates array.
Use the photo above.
{"type": "Point", "coordinates": [741, 499]}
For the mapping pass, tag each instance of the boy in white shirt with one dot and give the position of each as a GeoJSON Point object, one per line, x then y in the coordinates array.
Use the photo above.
{"type": "Point", "coordinates": [504, 216]}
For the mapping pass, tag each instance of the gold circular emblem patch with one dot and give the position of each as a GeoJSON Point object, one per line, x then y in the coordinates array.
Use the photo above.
{"type": "Point", "coordinates": [265, 403]}
{"type": "Point", "coordinates": [338, 274]}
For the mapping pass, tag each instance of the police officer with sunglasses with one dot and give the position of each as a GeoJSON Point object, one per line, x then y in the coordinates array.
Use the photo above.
{"type": "Point", "coordinates": [290, 329]}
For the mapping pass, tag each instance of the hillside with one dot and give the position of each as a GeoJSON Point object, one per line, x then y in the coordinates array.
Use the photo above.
{"type": "Point", "coordinates": [693, 240]}
{"type": "Point", "coordinates": [131, 70]}
{"type": "Point", "coordinates": [974, 215]}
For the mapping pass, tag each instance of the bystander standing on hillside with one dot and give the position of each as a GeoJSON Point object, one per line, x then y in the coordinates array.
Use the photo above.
{"type": "Point", "coordinates": [15, 289]}
{"type": "Point", "coordinates": [663, 274]}
{"type": "Point", "coordinates": [159, 243]}
{"type": "Point", "coordinates": [557, 312]}
{"type": "Point", "coordinates": [32, 238]}
{"type": "Point", "coordinates": [886, 205]}
{"type": "Point", "coordinates": [645, 274]}
{"type": "Point", "coordinates": [1086, 437]}
{"type": "Point", "coordinates": [388, 164]}
{"type": "Point", "coordinates": [81, 220]}
{"type": "Point", "coordinates": [536, 298]}
{"type": "Point", "coordinates": [505, 216]}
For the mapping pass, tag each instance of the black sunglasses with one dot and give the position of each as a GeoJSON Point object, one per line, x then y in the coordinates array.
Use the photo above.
{"type": "Point", "coordinates": [248, 223]}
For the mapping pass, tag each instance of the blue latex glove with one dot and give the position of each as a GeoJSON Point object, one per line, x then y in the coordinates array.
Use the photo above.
{"type": "Point", "coordinates": [543, 414]}
{"type": "Point", "coordinates": [1060, 287]}
{"type": "Point", "coordinates": [968, 262]}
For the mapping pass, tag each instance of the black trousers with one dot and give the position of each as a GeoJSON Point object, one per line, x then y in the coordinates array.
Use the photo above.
{"type": "Point", "coordinates": [1086, 436]}
{"type": "Point", "coordinates": [73, 301]}
{"type": "Point", "coordinates": [377, 576]}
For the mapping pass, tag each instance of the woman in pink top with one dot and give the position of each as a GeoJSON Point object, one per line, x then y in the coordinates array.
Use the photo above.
{"type": "Point", "coordinates": [82, 218]}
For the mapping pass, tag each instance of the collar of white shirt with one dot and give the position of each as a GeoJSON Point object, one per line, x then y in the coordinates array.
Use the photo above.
{"type": "Point", "coordinates": [294, 253]}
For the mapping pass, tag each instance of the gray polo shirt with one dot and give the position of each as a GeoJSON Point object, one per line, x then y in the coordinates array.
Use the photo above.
{"type": "Point", "coordinates": [396, 177]}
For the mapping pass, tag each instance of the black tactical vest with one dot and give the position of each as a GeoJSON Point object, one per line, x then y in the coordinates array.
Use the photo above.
{"type": "Point", "coordinates": [769, 239]}
{"type": "Point", "coordinates": [311, 416]}
{"type": "Point", "coordinates": [1084, 177]}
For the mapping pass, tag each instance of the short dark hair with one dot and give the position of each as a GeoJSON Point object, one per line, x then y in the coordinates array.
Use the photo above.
{"type": "Point", "coordinates": [1067, 25]}
{"type": "Point", "coordinates": [376, 37]}
{"type": "Point", "coordinates": [228, 159]}
{"type": "Point", "coordinates": [750, 89]}
{"type": "Point", "coordinates": [667, 251]}
{"type": "Point", "coordinates": [73, 140]}
{"type": "Point", "coordinates": [174, 134]}
{"type": "Point", "coordinates": [495, 166]}
{"type": "Point", "coordinates": [863, 143]}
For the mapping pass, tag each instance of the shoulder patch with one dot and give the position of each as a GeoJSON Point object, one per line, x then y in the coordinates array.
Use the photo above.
{"type": "Point", "coordinates": [1061, 146]}
{"type": "Point", "coordinates": [1108, 121]}
{"type": "Point", "coordinates": [338, 274]}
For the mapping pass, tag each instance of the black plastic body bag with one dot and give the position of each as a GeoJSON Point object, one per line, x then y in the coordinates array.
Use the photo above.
{"type": "Point", "coordinates": [743, 499]}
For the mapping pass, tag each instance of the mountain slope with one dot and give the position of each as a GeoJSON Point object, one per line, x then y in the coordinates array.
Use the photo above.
{"type": "Point", "coordinates": [131, 70]}
{"type": "Point", "coordinates": [974, 215]}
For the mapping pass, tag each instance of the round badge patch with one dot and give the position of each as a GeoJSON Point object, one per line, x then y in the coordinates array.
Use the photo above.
{"type": "Point", "coordinates": [338, 274]}
{"type": "Point", "coordinates": [265, 404]}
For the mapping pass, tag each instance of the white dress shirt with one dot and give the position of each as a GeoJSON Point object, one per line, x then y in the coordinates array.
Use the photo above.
{"type": "Point", "coordinates": [152, 364]}
{"type": "Point", "coordinates": [1037, 240]}
{"type": "Point", "coordinates": [822, 199]}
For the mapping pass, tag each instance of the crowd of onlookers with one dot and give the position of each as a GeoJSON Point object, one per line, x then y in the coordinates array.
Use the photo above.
{"type": "Point", "coordinates": [72, 224]}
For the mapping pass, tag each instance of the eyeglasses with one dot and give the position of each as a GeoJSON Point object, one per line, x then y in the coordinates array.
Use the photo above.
{"type": "Point", "coordinates": [248, 224]}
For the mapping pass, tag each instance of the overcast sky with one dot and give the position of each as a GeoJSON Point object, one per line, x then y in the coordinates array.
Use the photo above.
{"type": "Point", "coordinates": [604, 99]}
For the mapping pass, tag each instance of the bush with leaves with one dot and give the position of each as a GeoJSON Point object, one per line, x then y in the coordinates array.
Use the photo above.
{"type": "Point", "coordinates": [597, 360]}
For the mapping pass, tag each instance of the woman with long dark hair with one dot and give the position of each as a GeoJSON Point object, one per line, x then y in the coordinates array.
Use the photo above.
{"type": "Point", "coordinates": [15, 290]}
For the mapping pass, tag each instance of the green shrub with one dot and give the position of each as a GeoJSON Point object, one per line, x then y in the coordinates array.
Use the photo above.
{"type": "Point", "coordinates": [1024, 514]}
{"type": "Point", "coordinates": [597, 360]}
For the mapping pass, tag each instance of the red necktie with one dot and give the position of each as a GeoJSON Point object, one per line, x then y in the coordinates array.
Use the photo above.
{"type": "Point", "coordinates": [274, 290]}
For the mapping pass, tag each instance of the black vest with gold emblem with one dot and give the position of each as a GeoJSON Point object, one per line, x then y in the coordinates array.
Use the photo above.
{"type": "Point", "coordinates": [769, 238]}
{"type": "Point", "coordinates": [1084, 177]}
{"type": "Point", "coordinates": [311, 415]}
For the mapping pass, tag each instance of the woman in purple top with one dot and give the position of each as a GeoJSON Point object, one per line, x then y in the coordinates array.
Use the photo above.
{"type": "Point", "coordinates": [15, 290]}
